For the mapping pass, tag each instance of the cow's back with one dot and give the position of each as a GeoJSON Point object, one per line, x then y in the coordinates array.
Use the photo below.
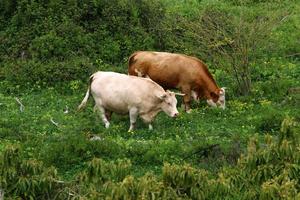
{"type": "Point", "coordinates": [167, 69]}
{"type": "Point", "coordinates": [118, 92]}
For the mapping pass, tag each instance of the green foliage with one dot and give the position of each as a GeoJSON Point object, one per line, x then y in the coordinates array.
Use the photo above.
{"type": "Point", "coordinates": [270, 119]}
{"type": "Point", "coordinates": [55, 35]}
{"type": "Point", "coordinates": [253, 2]}
{"type": "Point", "coordinates": [125, 158]}
{"type": "Point", "coordinates": [48, 46]}
{"type": "Point", "coordinates": [231, 38]}
{"type": "Point", "coordinates": [271, 170]}
{"type": "Point", "coordinates": [186, 180]}
{"type": "Point", "coordinates": [228, 36]}
{"type": "Point", "coordinates": [98, 172]}
{"type": "Point", "coordinates": [27, 179]}
{"type": "Point", "coordinates": [265, 172]}
{"type": "Point", "coordinates": [25, 73]}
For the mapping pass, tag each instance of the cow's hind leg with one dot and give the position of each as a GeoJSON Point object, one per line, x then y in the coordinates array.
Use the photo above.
{"type": "Point", "coordinates": [108, 113]}
{"type": "Point", "coordinates": [103, 116]}
{"type": "Point", "coordinates": [102, 110]}
{"type": "Point", "coordinates": [187, 98]}
{"type": "Point", "coordinates": [133, 113]}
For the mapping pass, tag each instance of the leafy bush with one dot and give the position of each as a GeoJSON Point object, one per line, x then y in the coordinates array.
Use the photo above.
{"type": "Point", "coordinates": [27, 179]}
{"type": "Point", "coordinates": [49, 46]}
{"type": "Point", "coordinates": [268, 170]}
{"type": "Point", "coordinates": [46, 42]}
{"type": "Point", "coordinates": [270, 120]}
{"type": "Point", "coordinates": [98, 171]}
{"type": "Point", "coordinates": [272, 168]}
{"type": "Point", "coordinates": [24, 73]}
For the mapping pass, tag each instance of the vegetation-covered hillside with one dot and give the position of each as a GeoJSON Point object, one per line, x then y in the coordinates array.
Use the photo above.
{"type": "Point", "coordinates": [250, 150]}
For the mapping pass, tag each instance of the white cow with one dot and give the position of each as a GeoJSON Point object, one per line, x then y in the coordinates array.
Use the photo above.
{"type": "Point", "coordinates": [120, 93]}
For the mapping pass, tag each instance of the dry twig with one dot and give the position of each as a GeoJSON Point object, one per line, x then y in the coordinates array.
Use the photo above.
{"type": "Point", "coordinates": [53, 122]}
{"type": "Point", "coordinates": [22, 107]}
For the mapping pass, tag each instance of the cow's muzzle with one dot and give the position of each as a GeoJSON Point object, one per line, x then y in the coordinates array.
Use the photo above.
{"type": "Point", "coordinates": [175, 115]}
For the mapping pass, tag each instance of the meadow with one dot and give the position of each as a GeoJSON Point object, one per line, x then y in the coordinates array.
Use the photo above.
{"type": "Point", "coordinates": [49, 150]}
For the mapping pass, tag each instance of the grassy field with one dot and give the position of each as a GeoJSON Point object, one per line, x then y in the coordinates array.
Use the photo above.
{"type": "Point", "coordinates": [49, 130]}
{"type": "Point", "coordinates": [69, 143]}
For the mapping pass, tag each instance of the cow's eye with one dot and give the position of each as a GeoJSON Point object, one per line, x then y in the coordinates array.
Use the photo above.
{"type": "Point", "coordinates": [169, 103]}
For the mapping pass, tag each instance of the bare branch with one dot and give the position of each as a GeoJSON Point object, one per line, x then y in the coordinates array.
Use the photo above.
{"type": "Point", "coordinates": [1, 194]}
{"type": "Point", "coordinates": [53, 122]}
{"type": "Point", "coordinates": [22, 107]}
{"type": "Point", "coordinates": [66, 110]}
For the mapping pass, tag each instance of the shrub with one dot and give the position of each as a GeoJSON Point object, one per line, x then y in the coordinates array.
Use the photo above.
{"type": "Point", "coordinates": [27, 179]}
{"type": "Point", "coordinates": [45, 42]}
{"type": "Point", "coordinates": [23, 72]}
{"type": "Point", "coordinates": [226, 37]}
{"type": "Point", "coordinates": [268, 170]}
{"type": "Point", "coordinates": [48, 46]}
{"type": "Point", "coordinates": [270, 120]}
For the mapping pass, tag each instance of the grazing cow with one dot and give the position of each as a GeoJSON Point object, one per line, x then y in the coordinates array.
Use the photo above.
{"type": "Point", "coordinates": [120, 93]}
{"type": "Point", "coordinates": [186, 73]}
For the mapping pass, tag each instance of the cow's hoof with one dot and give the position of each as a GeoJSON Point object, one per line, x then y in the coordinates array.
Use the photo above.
{"type": "Point", "coordinates": [189, 111]}
{"type": "Point", "coordinates": [150, 127]}
{"type": "Point", "coordinates": [107, 125]}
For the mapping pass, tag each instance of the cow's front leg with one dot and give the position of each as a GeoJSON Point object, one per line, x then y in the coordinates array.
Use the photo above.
{"type": "Point", "coordinates": [108, 114]}
{"type": "Point", "coordinates": [187, 98]}
{"type": "Point", "coordinates": [103, 116]}
{"type": "Point", "coordinates": [133, 113]}
{"type": "Point", "coordinates": [148, 120]}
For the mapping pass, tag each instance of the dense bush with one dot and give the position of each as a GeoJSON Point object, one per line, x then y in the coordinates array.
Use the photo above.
{"type": "Point", "coordinates": [268, 170]}
{"type": "Point", "coordinates": [27, 179]}
{"type": "Point", "coordinates": [48, 73]}
{"type": "Point", "coordinates": [229, 37]}
{"type": "Point", "coordinates": [48, 41]}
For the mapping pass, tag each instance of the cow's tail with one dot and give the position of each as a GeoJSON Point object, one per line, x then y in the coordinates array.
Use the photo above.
{"type": "Point", "coordinates": [131, 61]}
{"type": "Point", "coordinates": [87, 94]}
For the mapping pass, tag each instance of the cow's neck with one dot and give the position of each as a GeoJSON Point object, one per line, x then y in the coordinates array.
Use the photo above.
{"type": "Point", "coordinates": [151, 113]}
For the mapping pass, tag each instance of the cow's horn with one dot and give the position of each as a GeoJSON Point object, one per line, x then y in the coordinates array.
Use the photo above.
{"type": "Point", "coordinates": [179, 94]}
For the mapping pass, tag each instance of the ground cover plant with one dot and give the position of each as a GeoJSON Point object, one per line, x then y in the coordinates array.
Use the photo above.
{"type": "Point", "coordinates": [49, 150]}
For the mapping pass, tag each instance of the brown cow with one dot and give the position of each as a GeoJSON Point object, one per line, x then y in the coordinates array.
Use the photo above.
{"type": "Point", "coordinates": [186, 73]}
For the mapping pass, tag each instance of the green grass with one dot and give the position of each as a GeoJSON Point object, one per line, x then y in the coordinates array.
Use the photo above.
{"type": "Point", "coordinates": [67, 146]}
{"type": "Point", "coordinates": [184, 142]}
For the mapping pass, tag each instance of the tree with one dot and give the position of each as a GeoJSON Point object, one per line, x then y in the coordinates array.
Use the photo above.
{"type": "Point", "coordinates": [231, 41]}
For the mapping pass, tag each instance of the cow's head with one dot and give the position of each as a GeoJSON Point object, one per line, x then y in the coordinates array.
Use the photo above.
{"type": "Point", "coordinates": [217, 98]}
{"type": "Point", "coordinates": [169, 103]}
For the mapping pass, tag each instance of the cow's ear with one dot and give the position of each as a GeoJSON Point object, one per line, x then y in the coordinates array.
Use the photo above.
{"type": "Point", "coordinates": [162, 96]}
